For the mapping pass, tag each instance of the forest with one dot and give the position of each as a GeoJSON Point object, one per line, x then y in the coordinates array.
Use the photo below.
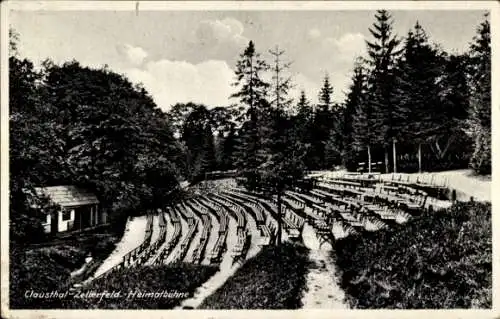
{"type": "Point", "coordinates": [411, 107]}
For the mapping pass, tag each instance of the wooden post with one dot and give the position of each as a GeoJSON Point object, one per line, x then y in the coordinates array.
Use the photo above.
{"type": "Point", "coordinates": [420, 157]}
{"type": "Point", "coordinates": [278, 234]}
{"type": "Point", "coordinates": [386, 159]}
{"type": "Point", "coordinates": [394, 155]}
{"type": "Point", "coordinates": [369, 160]}
{"type": "Point", "coordinates": [91, 216]}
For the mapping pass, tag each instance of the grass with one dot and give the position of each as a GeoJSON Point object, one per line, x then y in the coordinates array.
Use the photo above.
{"type": "Point", "coordinates": [48, 267]}
{"type": "Point", "coordinates": [131, 287]}
{"type": "Point", "coordinates": [440, 260]}
{"type": "Point", "coordinates": [273, 279]}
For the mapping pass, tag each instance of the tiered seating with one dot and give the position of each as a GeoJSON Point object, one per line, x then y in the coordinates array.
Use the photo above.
{"type": "Point", "coordinates": [231, 207]}
{"type": "Point", "coordinates": [292, 222]}
{"type": "Point", "coordinates": [154, 247]}
{"type": "Point", "coordinates": [266, 234]}
{"type": "Point", "coordinates": [215, 256]}
{"type": "Point", "coordinates": [131, 257]}
{"type": "Point", "coordinates": [257, 209]}
{"type": "Point", "coordinates": [176, 236]}
{"type": "Point", "coordinates": [243, 245]}
{"type": "Point", "coordinates": [427, 183]}
{"type": "Point", "coordinates": [388, 199]}
{"type": "Point", "coordinates": [377, 212]}
{"type": "Point", "coordinates": [192, 229]}
{"type": "Point", "coordinates": [199, 251]}
{"type": "Point", "coordinates": [218, 211]}
{"type": "Point", "coordinates": [297, 205]}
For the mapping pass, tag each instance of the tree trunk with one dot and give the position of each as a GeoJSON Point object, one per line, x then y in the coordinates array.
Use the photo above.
{"type": "Point", "coordinates": [369, 160]}
{"type": "Point", "coordinates": [386, 159]}
{"type": "Point", "coordinates": [420, 157]}
{"type": "Point", "coordinates": [278, 233]}
{"type": "Point", "coordinates": [395, 170]}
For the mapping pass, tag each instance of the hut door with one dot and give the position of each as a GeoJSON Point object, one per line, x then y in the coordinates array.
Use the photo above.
{"type": "Point", "coordinates": [54, 222]}
{"type": "Point", "coordinates": [83, 214]}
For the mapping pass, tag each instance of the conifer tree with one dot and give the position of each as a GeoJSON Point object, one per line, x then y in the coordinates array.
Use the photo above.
{"type": "Point", "coordinates": [382, 52]}
{"type": "Point", "coordinates": [323, 122]}
{"type": "Point", "coordinates": [252, 94]}
{"type": "Point", "coordinates": [357, 92]}
{"type": "Point", "coordinates": [284, 165]}
{"type": "Point", "coordinates": [416, 96]}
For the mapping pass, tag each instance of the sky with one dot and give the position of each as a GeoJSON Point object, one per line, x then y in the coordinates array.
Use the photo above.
{"type": "Point", "coordinates": [182, 56]}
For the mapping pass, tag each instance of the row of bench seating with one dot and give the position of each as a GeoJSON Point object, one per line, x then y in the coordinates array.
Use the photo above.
{"type": "Point", "coordinates": [231, 207]}
{"type": "Point", "coordinates": [375, 214]}
{"type": "Point", "coordinates": [392, 200]}
{"type": "Point", "coordinates": [206, 224]}
{"type": "Point", "coordinates": [167, 248]}
{"type": "Point", "coordinates": [215, 256]}
{"type": "Point", "coordinates": [257, 209]}
{"type": "Point", "coordinates": [131, 257]}
{"type": "Point", "coordinates": [186, 242]}
{"type": "Point", "coordinates": [292, 222]}
{"type": "Point", "coordinates": [265, 233]}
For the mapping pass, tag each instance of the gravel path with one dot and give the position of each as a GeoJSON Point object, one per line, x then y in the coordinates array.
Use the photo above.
{"type": "Point", "coordinates": [322, 288]}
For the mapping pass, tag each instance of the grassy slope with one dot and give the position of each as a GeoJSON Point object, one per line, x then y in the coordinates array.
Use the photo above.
{"type": "Point", "coordinates": [274, 279]}
{"type": "Point", "coordinates": [145, 279]}
{"type": "Point", "coordinates": [441, 260]}
{"type": "Point", "coordinates": [49, 267]}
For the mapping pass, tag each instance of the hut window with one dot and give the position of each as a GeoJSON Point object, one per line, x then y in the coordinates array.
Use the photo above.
{"type": "Point", "coordinates": [66, 215]}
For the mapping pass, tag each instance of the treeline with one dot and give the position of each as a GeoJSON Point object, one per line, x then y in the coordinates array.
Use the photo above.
{"type": "Point", "coordinates": [72, 125]}
{"type": "Point", "coordinates": [411, 106]}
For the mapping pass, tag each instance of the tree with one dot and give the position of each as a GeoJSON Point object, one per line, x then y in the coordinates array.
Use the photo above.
{"type": "Point", "coordinates": [364, 133]}
{"type": "Point", "coordinates": [229, 147]}
{"type": "Point", "coordinates": [323, 122]}
{"type": "Point", "coordinates": [382, 52]}
{"type": "Point", "coordinates": [480, 112]}
{"type": "Point", "coordinates": [252, 95]}
{"type": "Point", "coordinates": [281, 169]}
{"type": "Point", "coordinates": [416, 95]}
{"type": "Point", "coordinates": [281, 84]}
{"type": "Point", "coordinates": [197, 134]}
{"type": "Point", "coordinates": [92, 128]}
{"type": "Point", "coordinates": [303, 128]}
{"type": "Point", "coordinates": [355, 96]}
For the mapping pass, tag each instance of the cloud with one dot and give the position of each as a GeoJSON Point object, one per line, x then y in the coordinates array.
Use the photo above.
{"type": "Point", "coordinates": [217, 40]}
{"type": "Point", "coordinates": [226, 31]}
{"type": "Point", "coordinates": [314, 33]}
{"type": "Point", "coordinates": [132, 54]}
{"type": "Point", "coordinates": [171, 82]}
{"type": "Point", "coordinates": [348, 46]}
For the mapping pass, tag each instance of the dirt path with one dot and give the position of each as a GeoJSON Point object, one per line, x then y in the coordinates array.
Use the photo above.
{"type": "Point", "coordinates": [133, 237]}
{"type": "Point", "coordinates": [323, 290]}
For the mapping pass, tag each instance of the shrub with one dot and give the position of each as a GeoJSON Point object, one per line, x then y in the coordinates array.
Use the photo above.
{"type": "Point", "coordinates": [481, 158]}
{"type": "Point", "coordinates": [440, 260]}
{"type": "Point", "coordinates": [34, 270]}
{"type": "Point", "coordinates": [274, 279]}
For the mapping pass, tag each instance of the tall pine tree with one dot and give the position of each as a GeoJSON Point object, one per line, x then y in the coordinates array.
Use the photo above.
{"type": "Point", "coordinates": [416, 95]}
{"type": "Point", "coordinates": [354, 102]}
{"type": "Point", "coordinates": [323, 121]}
{"type": "Point", "coordinates": [252, 95]}
{"type": "Point", "coordinates": [382, 52]}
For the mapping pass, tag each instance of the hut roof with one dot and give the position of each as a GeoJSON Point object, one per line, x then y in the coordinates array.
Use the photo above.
{"type": "Point", "coordinates": [67, 195]}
